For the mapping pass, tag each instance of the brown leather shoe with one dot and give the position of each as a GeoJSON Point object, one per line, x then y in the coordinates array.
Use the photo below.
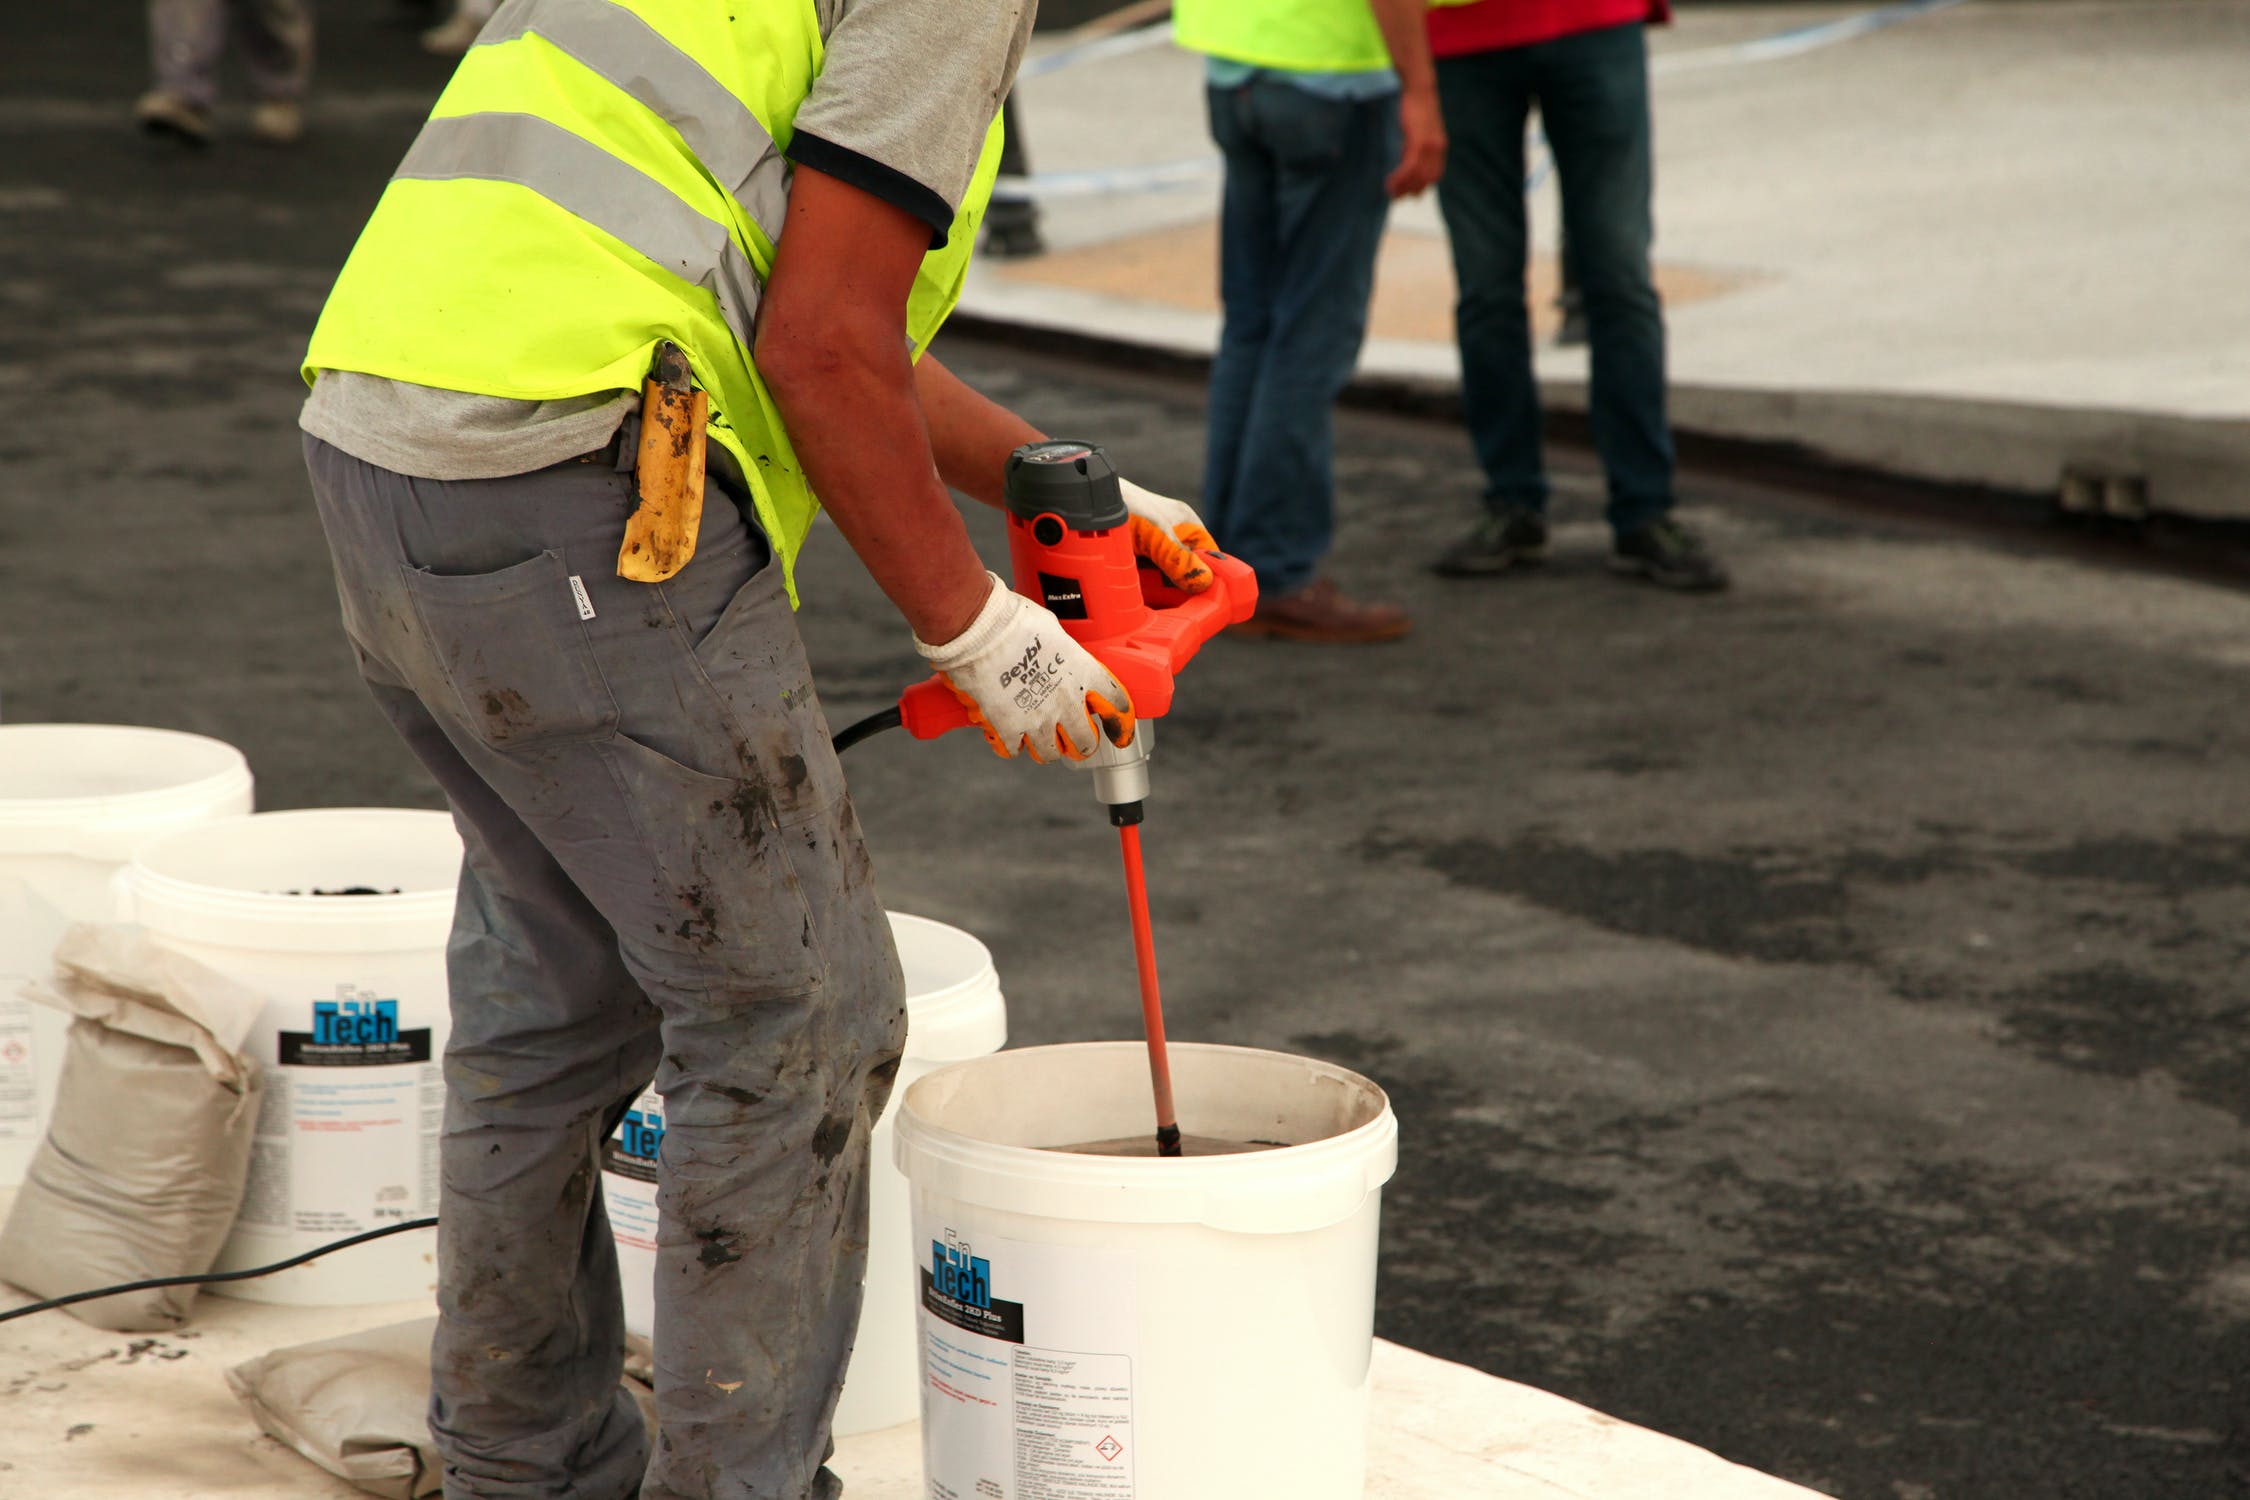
{"type": "Point", "coordinates": [1318, 612]}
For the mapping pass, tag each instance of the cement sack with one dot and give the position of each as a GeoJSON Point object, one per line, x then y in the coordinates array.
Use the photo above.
{"type": "Point", "coordinates": [142, 1169]}
{"type": "Point", "coordinates": [358, 1406]}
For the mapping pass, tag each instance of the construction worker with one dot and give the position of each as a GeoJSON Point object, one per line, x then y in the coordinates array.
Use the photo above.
{"type": "Point", "coordinates": [1324, 110]}
{"type": "Point", "coordinates": [1584, 63]}
{"type": "Point", "coordinates": [664, 875]}
{"type": "Point", "coordinates": [273, 41]}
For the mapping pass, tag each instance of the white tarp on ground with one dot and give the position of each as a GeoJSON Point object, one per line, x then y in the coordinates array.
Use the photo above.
{"type": "Point", "coordinates": [103, 1416]}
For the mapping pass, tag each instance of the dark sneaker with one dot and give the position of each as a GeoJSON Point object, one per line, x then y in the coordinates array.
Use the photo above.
{"type": "Point", "coordinates": [1319, 612]}
{"type": "Point", "coordinates": [1669, 555]}
{"type": "Point", "coordinates": [1513, 538]}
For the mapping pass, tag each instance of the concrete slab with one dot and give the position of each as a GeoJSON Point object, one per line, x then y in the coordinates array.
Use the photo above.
{"type": "Point", "coordinates": [1973, 247]}
{"type": "Point", "coordinates": [93, 1415]}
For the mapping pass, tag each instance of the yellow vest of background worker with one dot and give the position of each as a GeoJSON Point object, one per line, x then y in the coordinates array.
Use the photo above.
{"type": "Point", "coordinates": [601, 175]}
{"type": "Point", "coordinates": [1303, 36]}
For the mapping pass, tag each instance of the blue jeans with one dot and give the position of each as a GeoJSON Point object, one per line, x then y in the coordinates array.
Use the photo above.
{"type": "Point", "coordinates": [1303, 216]}
{"type": "Point", "coordinates": [1592, 93]}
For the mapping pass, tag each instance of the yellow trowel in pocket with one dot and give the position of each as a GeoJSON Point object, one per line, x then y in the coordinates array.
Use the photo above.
{"type": "Point", "coordinates": [668, 472]}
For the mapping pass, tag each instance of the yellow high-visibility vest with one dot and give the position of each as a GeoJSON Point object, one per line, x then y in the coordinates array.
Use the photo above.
{"type": "Point", "coordinates": [599, 176]}
{"type": "Point", "coordinates": [1304, 36]}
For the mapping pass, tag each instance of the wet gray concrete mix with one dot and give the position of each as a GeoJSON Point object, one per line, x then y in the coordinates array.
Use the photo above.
{"type": "Point", "coordinates": [1815, 1013]}
{"type": "Point", "coordinates": [1148, 1146]}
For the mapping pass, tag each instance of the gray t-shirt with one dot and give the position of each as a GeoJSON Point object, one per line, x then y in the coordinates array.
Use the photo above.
{"type": "Point", "coordinates": [434, 433]}
{"type": "Point", "coordinates": [900, 110]}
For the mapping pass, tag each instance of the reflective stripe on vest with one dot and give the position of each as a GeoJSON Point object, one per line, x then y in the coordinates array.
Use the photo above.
{"type": "Point", "coordinates": [574, 174]}
{"type": "Point", "coordinates": [625, 50]}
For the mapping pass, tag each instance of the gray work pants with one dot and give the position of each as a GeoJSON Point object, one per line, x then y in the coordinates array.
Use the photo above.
{"type": "Point", "coordinates": [663, 876]}
{"type": "Point", "coordinates": [274, 39]}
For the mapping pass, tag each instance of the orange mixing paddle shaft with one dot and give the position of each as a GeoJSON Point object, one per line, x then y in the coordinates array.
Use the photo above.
{"type": "Point", "coordinates": [1152, 1000]}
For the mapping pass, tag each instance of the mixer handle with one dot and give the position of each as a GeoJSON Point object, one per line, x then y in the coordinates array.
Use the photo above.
{"type": "Point", "coordinates": [1182, 623]}
{"type": "Point", "coordinates": [1186, 620]}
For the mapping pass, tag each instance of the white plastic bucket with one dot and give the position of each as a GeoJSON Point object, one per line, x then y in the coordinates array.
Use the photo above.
{"type": "Point", "coordinates": [74, 801]}
{"type": "Point", "coordinates": [352, 1036]}
{"type": "Point", "coordinates": [954, 1010]}
{"type": "Point", "coordinates": [1144, 1329]}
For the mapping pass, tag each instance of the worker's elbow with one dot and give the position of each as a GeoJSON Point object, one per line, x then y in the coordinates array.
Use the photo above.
{"type": "Point", "coordinates": [792, 357]}
{"type": "Point", "coordinates": [803, 357]}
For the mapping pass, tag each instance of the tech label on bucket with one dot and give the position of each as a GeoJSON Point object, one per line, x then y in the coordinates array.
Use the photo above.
{"type": "Point", "coordinates": [1028, 1356]}
{"type": "Point", "coordinates": [347, 1135]}
{"type": "Point", "coordinates": [629, 1195]}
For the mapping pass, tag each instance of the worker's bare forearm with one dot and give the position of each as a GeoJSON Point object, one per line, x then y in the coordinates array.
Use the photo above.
{"type": "Point", "coordinates": [1404, 27]}
{"type": "Point", "coordinates": [971, 435]}
{"type": "Point", "coordinates": [858, 430]}
{"type": "Point", "coordinates": [831, 345]}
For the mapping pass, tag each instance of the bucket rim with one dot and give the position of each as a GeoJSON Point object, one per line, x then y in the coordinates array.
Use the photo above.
{"type": "Point", "coordinates": [81, 824]}
{"type": "Point", "coordinates": [1281, 1190]}
{"type": "Point", "coordinates": [165, 901]}
{"type": "Point", "coordinates": [962, 1020]}
{"type": "Point", "coordinates": [985, 973]}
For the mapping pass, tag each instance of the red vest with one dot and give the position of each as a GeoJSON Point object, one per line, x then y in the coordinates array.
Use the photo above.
{"type": "Point", "coordinates": [1457, 30]}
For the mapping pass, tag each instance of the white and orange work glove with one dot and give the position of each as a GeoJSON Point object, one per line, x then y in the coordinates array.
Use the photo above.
{"type": "Point", "coordinates": [1028, 685]}
{"type": "Point", "coordinates": [1169, 534]}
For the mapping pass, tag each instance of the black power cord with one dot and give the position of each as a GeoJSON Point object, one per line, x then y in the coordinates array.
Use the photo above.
{"type": "Point", "coordinates": [210, 1277]}
{"type": "Point", "coordinates": [873, 724]}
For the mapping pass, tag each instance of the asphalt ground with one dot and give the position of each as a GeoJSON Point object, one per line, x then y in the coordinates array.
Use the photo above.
{"type": "Point", "coordinates": [1815, 1013]}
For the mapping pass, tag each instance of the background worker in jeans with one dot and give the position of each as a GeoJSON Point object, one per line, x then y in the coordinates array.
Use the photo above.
{"type": "Point", "coordinates": [273, 42]}
{"type": "Point", "coordinates": [1319, 132]}
{"type": "Point", "coordinates": [1585, 64]}
{"type": "Point", "coordinates": [664, 876]}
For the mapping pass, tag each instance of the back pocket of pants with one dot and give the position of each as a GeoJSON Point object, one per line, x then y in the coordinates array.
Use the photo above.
{"type": "Point", "coordinates": [1305, 132]}
{"type": "Point", "coordinates": [513, 654]}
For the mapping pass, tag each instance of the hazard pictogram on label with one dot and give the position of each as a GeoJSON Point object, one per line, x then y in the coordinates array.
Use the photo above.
{"type": "Point", "coordinates": [1109, 1448]}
